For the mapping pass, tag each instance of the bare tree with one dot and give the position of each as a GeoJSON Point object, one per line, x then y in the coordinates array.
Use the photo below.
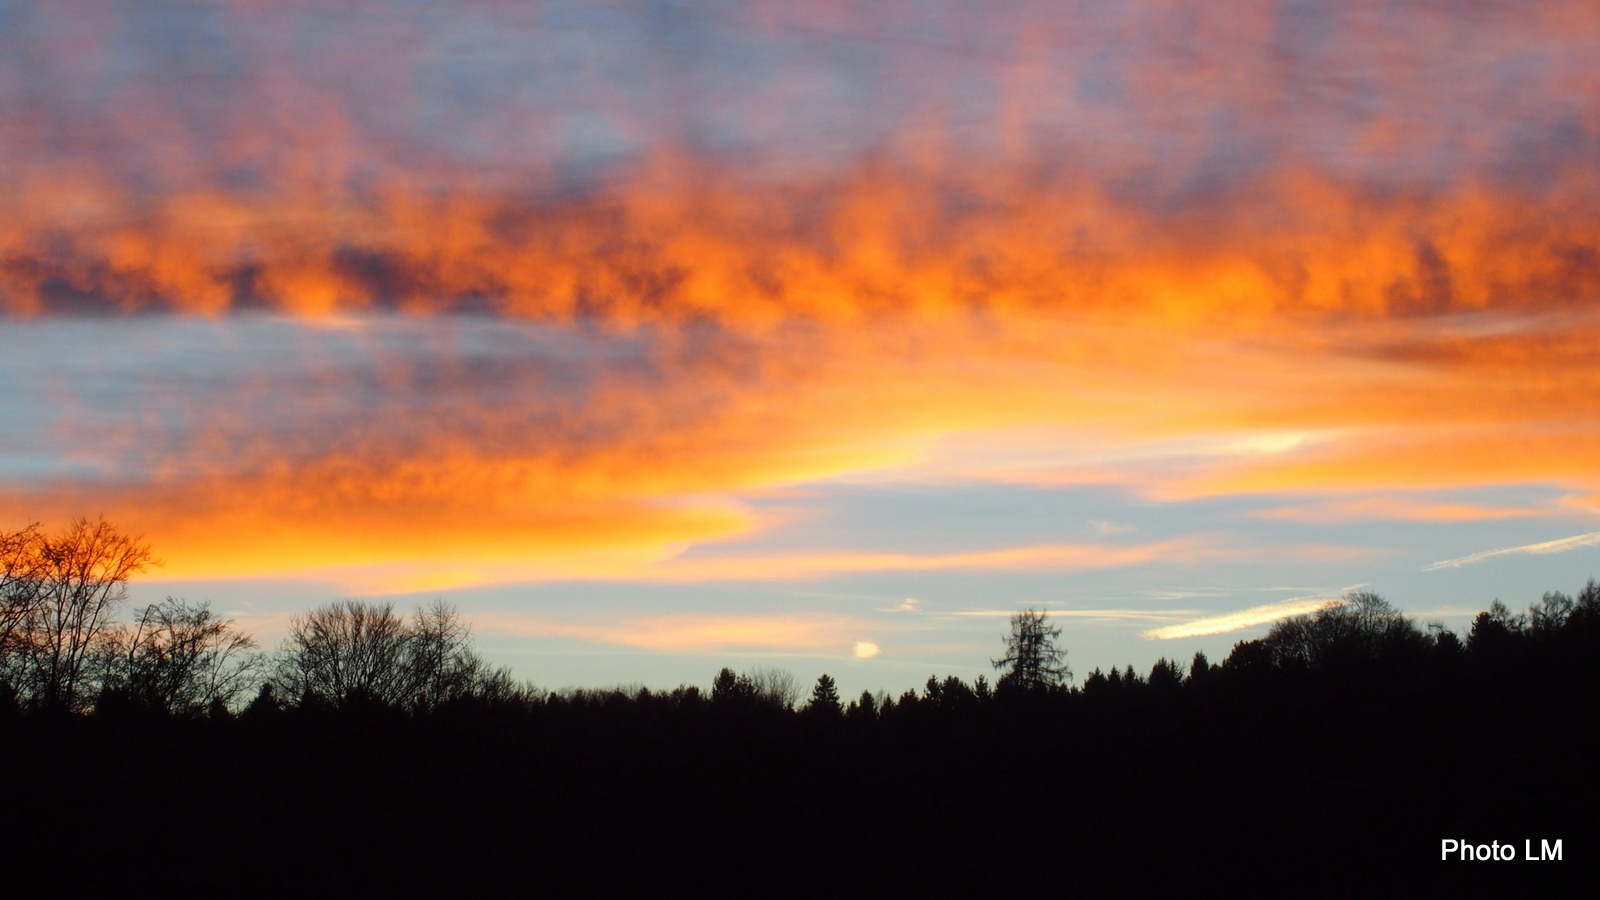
{"type": "Point", "coordinates": [774, 685]}
{"type": "Point", "coordinates": [21, 558]}
{"type": "Point", "coordinates": [347, 651]}
{"type": "Point", "coordinates": [761, 686]}
{"type": "Point", "coordinates": [80, 581]}
{"type": "Point", "coordinates": [181, 659]}
{"type": "Point", "coordinates": [354, 650]}
{"type": "Point", "coordinates": [1548, 615]}
{"type": "Point", "coordinates": [1362, 623]}
{"type": "Point", "coordinates": [1034, 660]}
{"type": "Point", "coordinates": [442, 663]}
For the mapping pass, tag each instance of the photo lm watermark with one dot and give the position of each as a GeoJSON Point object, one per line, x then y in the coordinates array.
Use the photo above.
{"type": "Point", "coordinates": [1548, 851]}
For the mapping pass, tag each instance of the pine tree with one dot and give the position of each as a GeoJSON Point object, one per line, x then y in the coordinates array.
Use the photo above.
{"type": "Point", "coordinates": [1034, 660]}
{"type": "Point", "coordinates": [824, 697]}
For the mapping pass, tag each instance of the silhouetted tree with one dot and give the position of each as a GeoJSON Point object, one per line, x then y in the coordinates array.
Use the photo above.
{"type": "Point", "coordinates": [1249, 661]}
{"type": "Point", "coordinates": [864, 709]}
{"type": "Point", "coordinates": [352, 652]}
{"type": "Point", "coordinates": [1589, 594]}
{"type": "Point", "coordinates": [180, 659]}
{"type": "Point", "coordinates": [1361, 625]}
{"type": "Point", "coordinates": [1095, 683]}
{"type": "Point", "coordinates": [349, 651]}
{"type": "Point", "coordinates": [1494, 630]}
{"type": "Point", "coordinates": [442, 664]}
{"type": "Point", "coordinates": [21, 562]}
{"type": "Point", "coordinates": [1033, 660]}
{"type": "Point", "coordinates": [266, 702]}
{"type": "Point", "coordinates": [9, 708]}
{"type": "Point", "coordinates": [729, 689]}
{"type": "Point", "coordinates": [1589, 597]}
{"type": "Point", "coordinates": [1445, 643]}
{"type": "Point", "coordinates": [1166, 675]}
{"type": "Point", "coordinates": [1585, 615]}
{"type": "Point", "coordinates": [824, 697]}
{"type": "Point", "coordinates": [954, 694]}
{"type": "Point", "coordinates": [1546, 617]}
{"type": "Point", "coordinates": [70, 587]}
{"type": "Point", "coordinates": [774, 686]}
{"type": "Point", "coordinates": [686, 696]}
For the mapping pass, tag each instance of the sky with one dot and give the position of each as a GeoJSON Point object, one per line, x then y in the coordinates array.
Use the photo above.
{"type": "Point", "coordinates": [662, 336]}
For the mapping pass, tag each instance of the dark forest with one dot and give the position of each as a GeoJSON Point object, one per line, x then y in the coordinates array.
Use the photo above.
{"type": "Point", "coordinates": [376, 752]}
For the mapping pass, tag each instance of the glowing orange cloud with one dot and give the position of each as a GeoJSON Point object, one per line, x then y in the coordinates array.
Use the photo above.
{"type": "Point", "coordinates": [679, 242]}
{"type": "Point", "coordinates": [1317, 299]}
{"type": "Point", "coordinates": [247, 166]}
{"type": "Point", "coordinates": [514, 480]}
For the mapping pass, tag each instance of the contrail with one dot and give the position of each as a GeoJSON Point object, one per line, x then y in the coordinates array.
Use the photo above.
{"type": "Point", "coordinates": [1557, 546]}
{"type": "Point", "coordinates": [1243, 618]}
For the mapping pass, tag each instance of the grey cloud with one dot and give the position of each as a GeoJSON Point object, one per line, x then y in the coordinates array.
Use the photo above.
{"type": "Point", "coordinates": [1196, 97]}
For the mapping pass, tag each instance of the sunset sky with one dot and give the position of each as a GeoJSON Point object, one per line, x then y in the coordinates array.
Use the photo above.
{"type": "Point", "coordinates": [660, 336]}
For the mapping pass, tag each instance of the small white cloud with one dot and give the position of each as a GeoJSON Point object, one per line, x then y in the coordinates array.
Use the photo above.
{"type": "Point", "coordinates": [907, 605]}
{"type": "Point", "coordinates": [1105, 528]}
{"type": "Point", "coordinates": [866, 650]}
{"type": "Point", "coordinates": [1557, 546]}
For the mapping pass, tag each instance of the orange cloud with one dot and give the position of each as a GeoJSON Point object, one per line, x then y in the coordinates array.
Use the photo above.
{"type": "Point", "coordinates": [696, 633]}
{"type": "Point", "coordinates": [1325, 296]}
{"type": "Point", "coordinates": [1398, 508]}
{"type": "Point", "coordinates": [432, 468]}
{"type": "Point", "coordinates": [1191, 169]}
{"type": "Point", "coordinates": [680, 241]}
{"type": "Point", "coordinates": [1057, 557]}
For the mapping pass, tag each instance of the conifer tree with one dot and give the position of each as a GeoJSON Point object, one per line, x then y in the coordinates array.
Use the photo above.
{"type": "Point", "coordinates": [1032, 657]}
{"type": "Point", "coordinates": [824, 697]}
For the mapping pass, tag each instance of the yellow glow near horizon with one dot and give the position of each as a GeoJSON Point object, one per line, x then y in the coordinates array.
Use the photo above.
{"type": "Point", "coordinates": [1030, 399]}
{"type": "Point", "coordinates": [1244, 618]}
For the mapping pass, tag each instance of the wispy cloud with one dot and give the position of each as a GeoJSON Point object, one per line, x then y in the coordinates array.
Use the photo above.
{"type": "Point", "coordinates": [1099, 615]}
{"type": "Point", "coordinates": [1558, 546]}
{"type": "Point", "coordinates": [1045, 557]}
{"type": "Point", "coordinates": [891, 284]}
{"type": "Point", "coordinates": [1402, 509]}
{"type": "Point", "coordinates": [698, 633]}
{"type": "Point", "coordinates": [1243, 618]}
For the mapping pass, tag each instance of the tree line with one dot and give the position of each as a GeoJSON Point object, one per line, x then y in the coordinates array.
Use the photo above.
{"type": "Point", "coordinates": [64, 649]}
{"type": "Point", "coordinates": [374, 750]}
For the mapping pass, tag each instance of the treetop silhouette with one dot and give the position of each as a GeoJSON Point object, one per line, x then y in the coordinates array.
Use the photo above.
{"type": "Point", "coordinates": [1032, 659]}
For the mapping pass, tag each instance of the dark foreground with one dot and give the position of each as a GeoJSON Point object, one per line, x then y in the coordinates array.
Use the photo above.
{"type": "Point", "coordinates": [1265, 782]}
{"type": "Point", "coordinates": [381, 756]}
